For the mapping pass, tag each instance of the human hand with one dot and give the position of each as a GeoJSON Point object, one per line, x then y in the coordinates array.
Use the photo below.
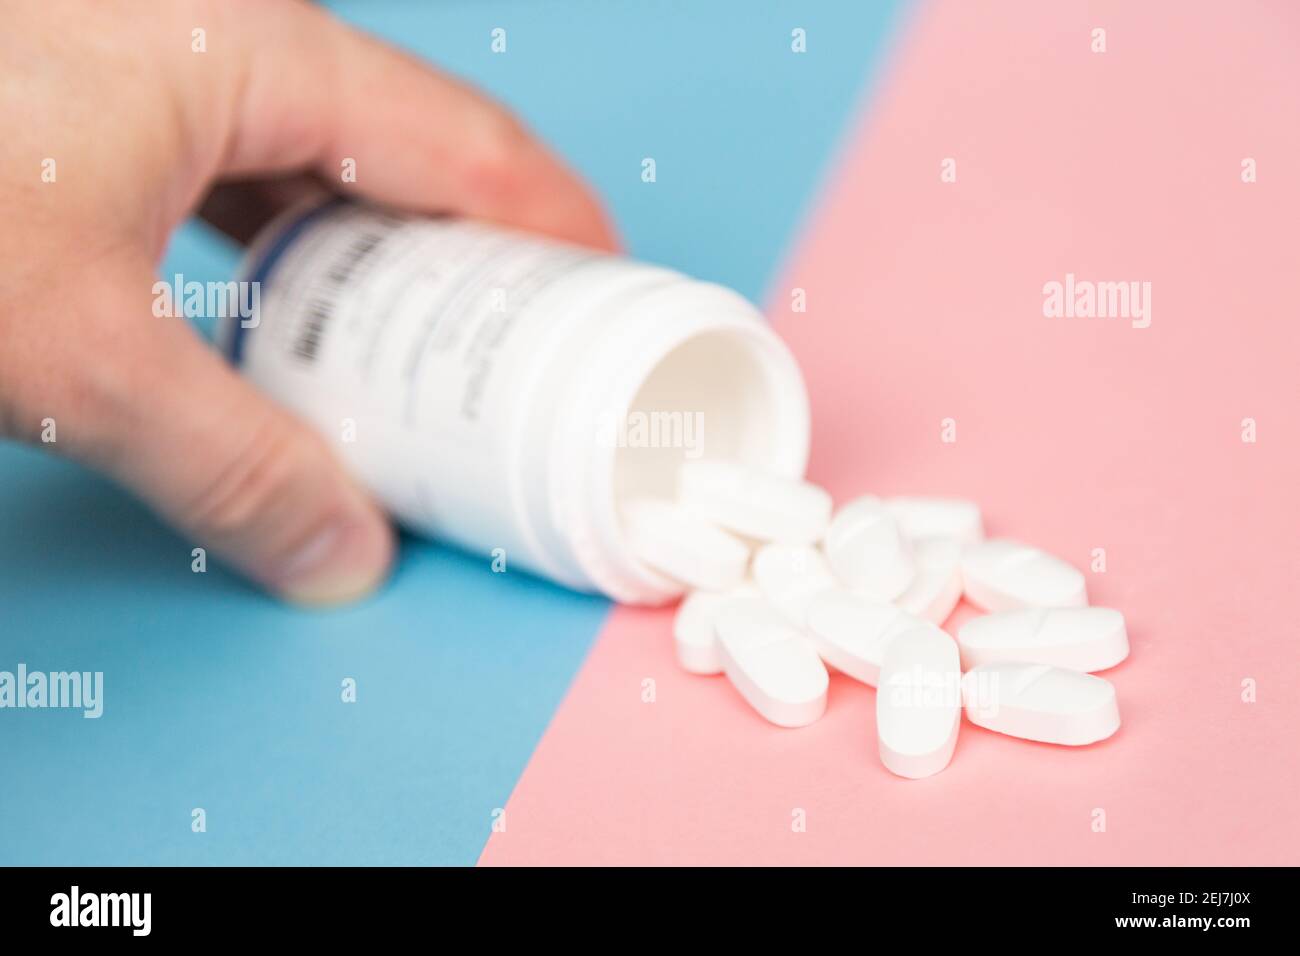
{"type": "Point", "coordinates": [141, 128]}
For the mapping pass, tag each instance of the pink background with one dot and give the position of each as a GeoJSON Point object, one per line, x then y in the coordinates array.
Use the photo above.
{"type": "Point", "coordinates": [925, 302]}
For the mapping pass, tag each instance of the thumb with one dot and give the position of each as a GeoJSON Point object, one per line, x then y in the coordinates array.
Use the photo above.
{"type": "Point", "coordinates": [241, 476]}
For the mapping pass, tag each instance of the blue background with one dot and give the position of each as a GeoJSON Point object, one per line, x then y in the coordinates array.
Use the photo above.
{"type": "Point", "coordinates": [215, 696]}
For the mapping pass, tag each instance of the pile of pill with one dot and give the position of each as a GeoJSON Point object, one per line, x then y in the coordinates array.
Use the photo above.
{"type": "Point", "coordinates": [783, 588]}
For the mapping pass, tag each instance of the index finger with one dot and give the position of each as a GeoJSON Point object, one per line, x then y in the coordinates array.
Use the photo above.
{"type": "Point", "coordinates": [318, 94]}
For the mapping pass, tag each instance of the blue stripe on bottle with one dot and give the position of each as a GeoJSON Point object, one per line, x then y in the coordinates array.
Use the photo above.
{"type": "Point", "coordinates": [263, 267]}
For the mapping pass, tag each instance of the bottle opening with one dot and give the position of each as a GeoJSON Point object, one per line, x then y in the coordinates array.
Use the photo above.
{"type": "Point", "coordinates": [715, 396]}
{"type": "Point", "coordinates": [732, 394]}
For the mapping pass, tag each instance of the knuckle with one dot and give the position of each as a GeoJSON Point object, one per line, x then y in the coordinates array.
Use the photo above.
{"type": "Point", "coordinates": [498, 160]}
{"type": "Point", "coordinates": [266, 477]}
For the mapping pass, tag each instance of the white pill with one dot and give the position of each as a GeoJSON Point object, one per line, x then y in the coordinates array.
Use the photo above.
{"type": "Point", "coordinates": [694, 633]}
{"type": "Point", "coordinates": [937, 587]}
{"type": "Point", "coordinates": [1039, 702]}
{"type": "Point", "coordinates": [851, 633]}
{"type": "Point", "coordinates": [682, 546]}
{"type": "Point", "coordinates": [754, 503]}
{"type": "Point", "coordinates": [867, 552]}
{"type": "Point", "coordinates": [999, 575]}
{"type": "Point", "coordinates": [937, 518]}
{"type": "Point", "coordinates": [1076, 638]}
{"type": "Point", "coordinates": [770, 662]}
{"type": "Point", "coordinates": [918, 705]}
{"type": "Point", "coordinates": [789, 576]}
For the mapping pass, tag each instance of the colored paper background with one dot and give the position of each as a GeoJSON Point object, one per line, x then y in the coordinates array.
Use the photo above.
{"type": "Point", "coordinates": [925, 303]}
{"type": "Point", "coordinates": [480, 691]}
{"type": "Point", "coordinates": [216, 697]}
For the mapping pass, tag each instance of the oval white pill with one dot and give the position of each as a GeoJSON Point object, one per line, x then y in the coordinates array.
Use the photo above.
{"type": "Point", "coordinates": [937, 518]}
{"type": "Point", "coordinates": [1039, 702]}
{"type": "Point", "coordinates": [1000, 575]}
{"type": "Point", "coordinates": [937, 587]}
{"type": "Point", "coordinates": [918, 705]}
{"type": "Point", "coordinates": [867, 552]}
{"type": "Point", "coordinates": [773, 666]}
{"type": "Point", "coordinates": [754, 503]}
{"type": "Point", "coordinates": [789, 576]}
{"type": "Point", "coordinates": [682, 546]}
{"type": "Point", "coordinates": [851, 633]}
{"type": "Point", "coordinates": [694, 634]}
{"type": "Point", "coordinates": [1076, 638]}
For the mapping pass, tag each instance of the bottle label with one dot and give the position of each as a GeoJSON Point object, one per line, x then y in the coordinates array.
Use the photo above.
{"type": "Point", "coordinates": [409, 343]}
{"type": "Point", "coordinates": [381, 300]}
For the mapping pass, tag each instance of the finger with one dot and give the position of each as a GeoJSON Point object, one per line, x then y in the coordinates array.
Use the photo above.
{"type": "Point", "coordinates": [141, 398]}
{"type": "Point", "coordinates": [319, 94]}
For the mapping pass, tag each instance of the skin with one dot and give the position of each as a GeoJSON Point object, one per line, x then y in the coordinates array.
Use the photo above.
{"type": "Point", "coordinates": [145, 132]}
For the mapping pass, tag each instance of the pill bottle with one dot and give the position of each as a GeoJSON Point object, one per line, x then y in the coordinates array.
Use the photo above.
{"type": "Point", "coordinates": [506, 392]}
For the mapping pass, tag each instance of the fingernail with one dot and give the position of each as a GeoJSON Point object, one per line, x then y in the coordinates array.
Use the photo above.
{"type": "Point", "coordinates": [344, 561]}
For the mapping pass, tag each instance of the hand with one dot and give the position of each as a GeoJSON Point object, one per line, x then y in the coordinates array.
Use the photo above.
{"type": "Point", "coordinates": [141, 128]}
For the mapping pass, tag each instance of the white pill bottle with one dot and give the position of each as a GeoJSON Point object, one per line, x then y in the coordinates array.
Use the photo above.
{"type": "Point", "coordinates": [505, 392]}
